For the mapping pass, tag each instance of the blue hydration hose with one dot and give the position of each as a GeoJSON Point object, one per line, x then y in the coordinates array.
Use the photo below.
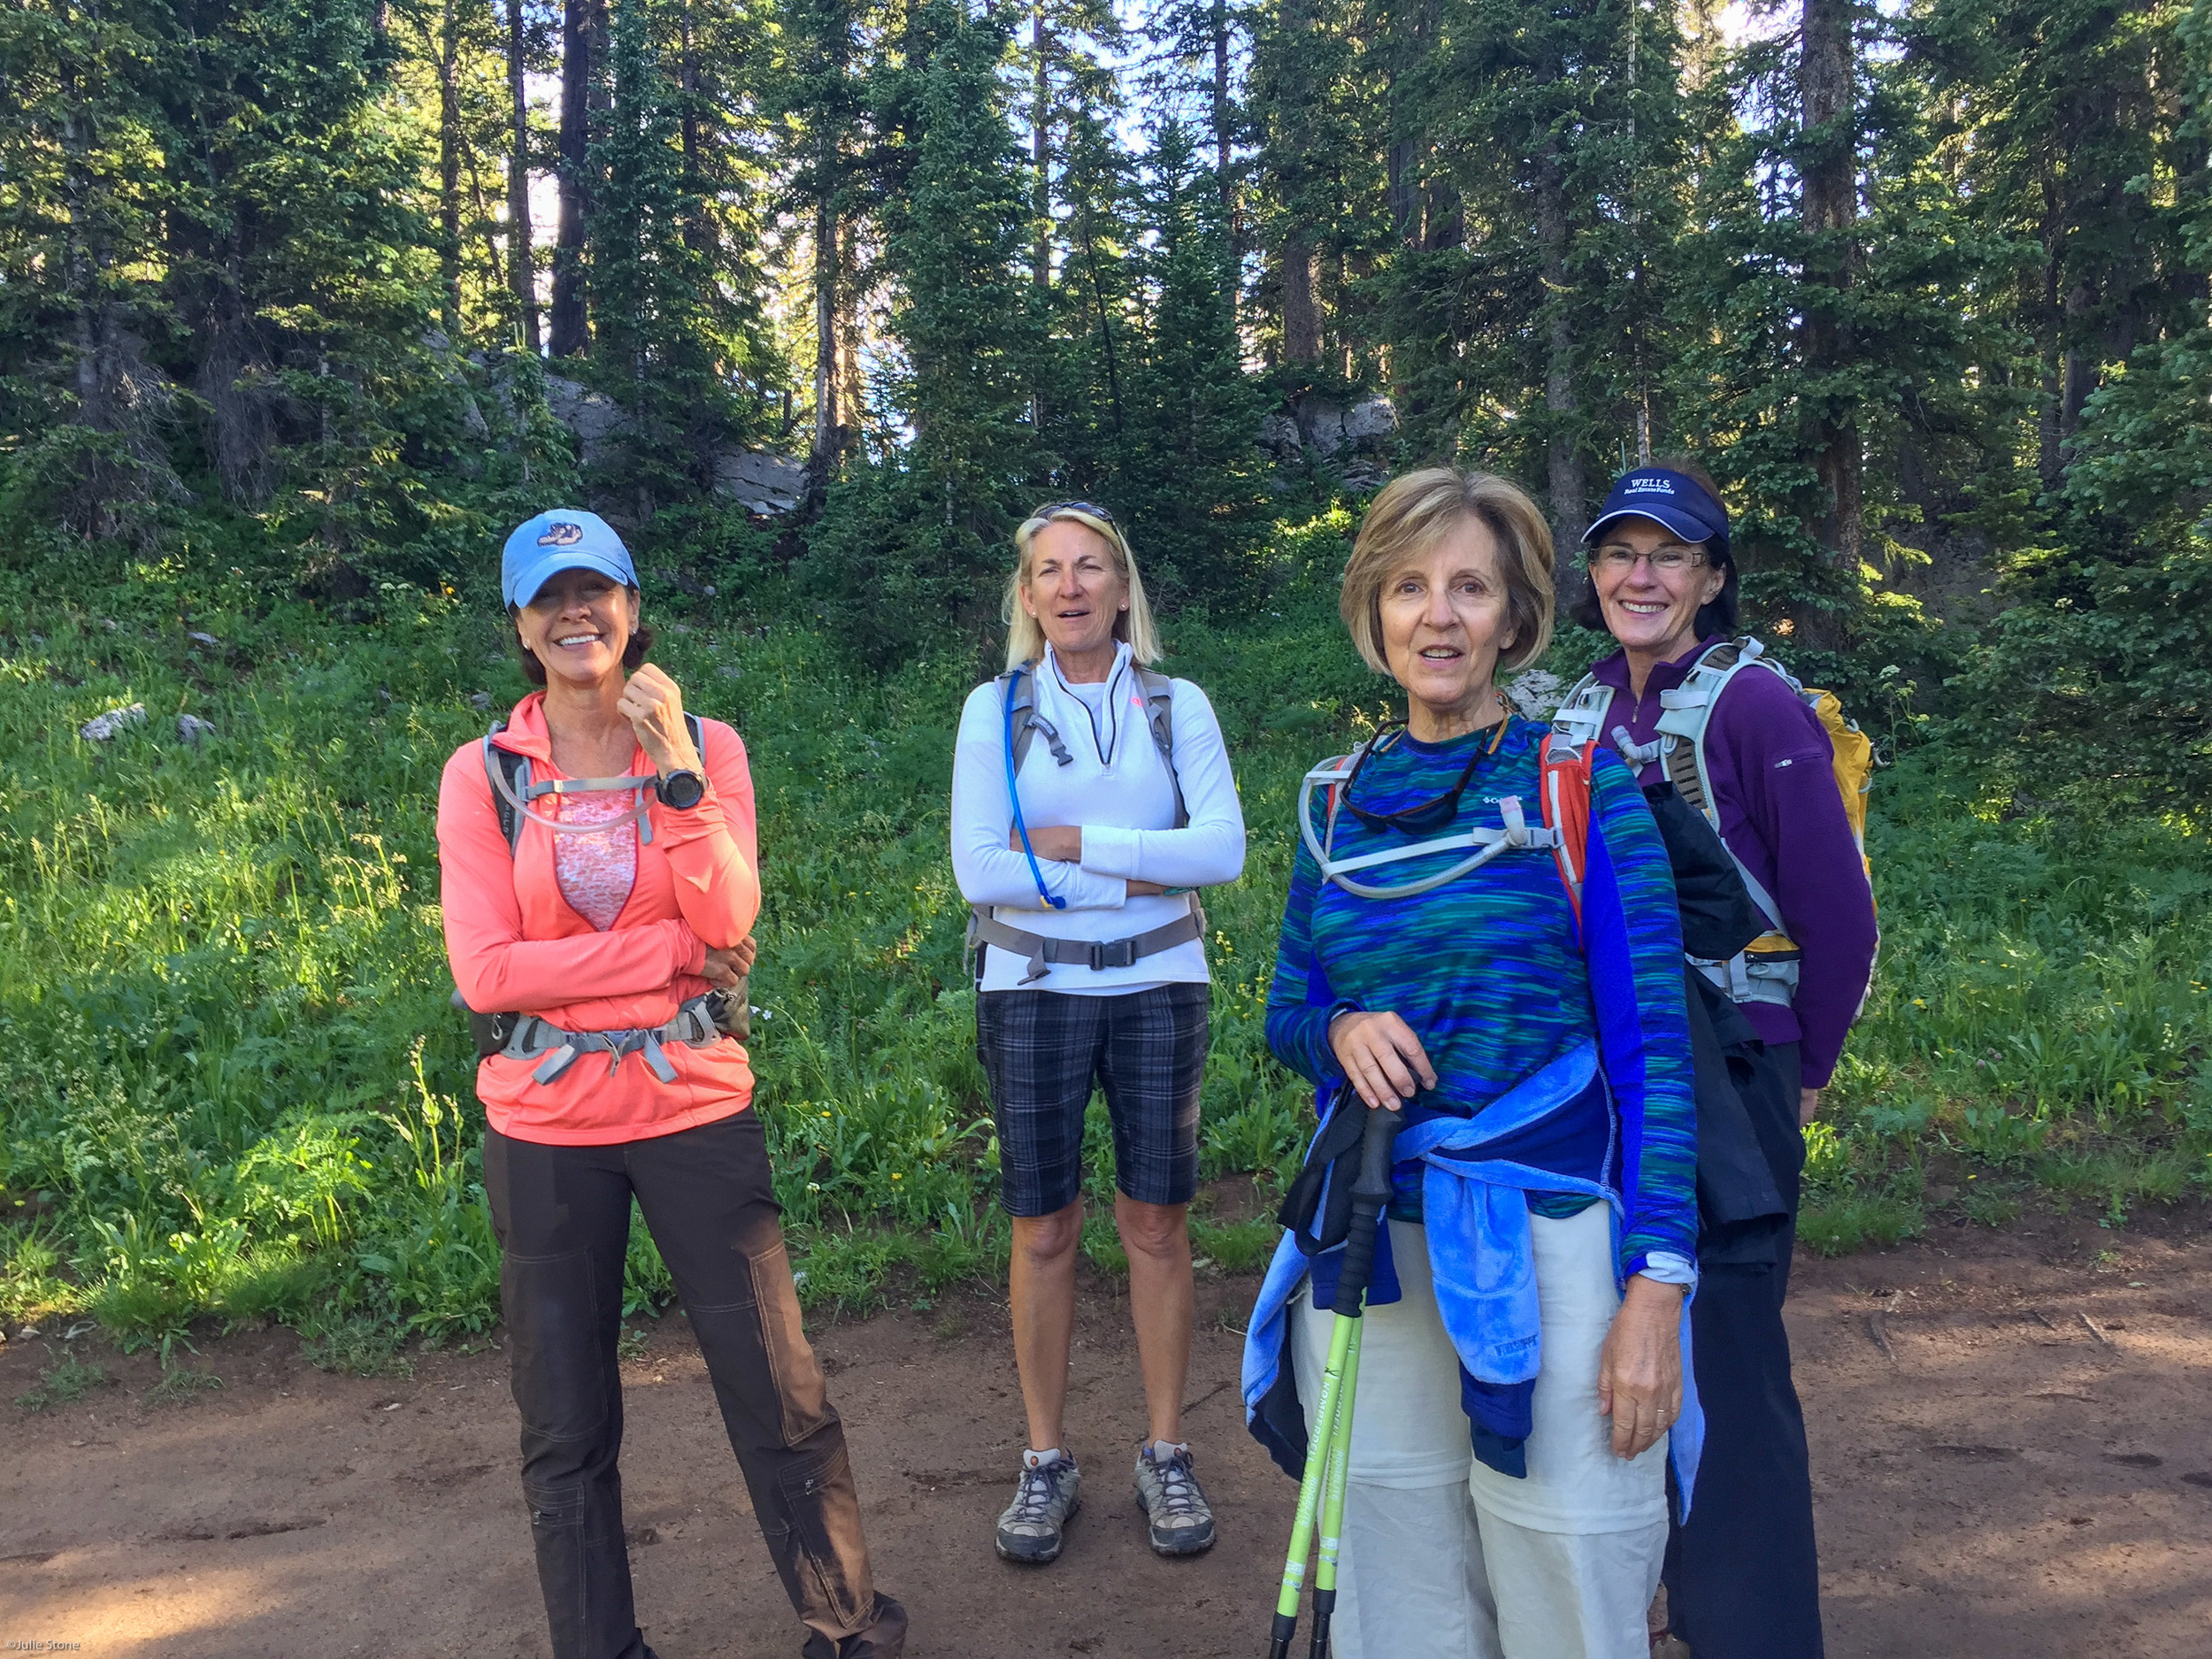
{"type": "Point", "coordinates": [1014, 795]}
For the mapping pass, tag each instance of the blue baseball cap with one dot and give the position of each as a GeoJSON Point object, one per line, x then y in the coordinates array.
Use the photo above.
{"type": "Point", "coordinates": [1674, 499]}
{"type": "Point", "coordinates": [564, 539]}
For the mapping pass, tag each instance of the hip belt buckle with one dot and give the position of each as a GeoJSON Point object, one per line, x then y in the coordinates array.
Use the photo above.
{"type": "Point", "coordinates": [1112, 953]}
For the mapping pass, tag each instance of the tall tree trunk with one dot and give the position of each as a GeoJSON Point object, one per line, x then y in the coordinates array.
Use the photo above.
{"type": "Point", "coordinates": [522, 265]}
{"type": "Point", "coordinates": [571, 335]}
{"type": "Point", "coordinates": [698, 235]}
{"type": "Point", "coordinates": [849, 287]}
{"type": "Point", "coordinates": [450, 165]}
{"type": "Point", "coordinates": [1040, 150]}
{"type": "Point", "coordinates": [1224, 141]}
{"type": "Point", "coordinates": [1570, 492]}
{"type": "Point", "coordinates": [1301, 309]}
{"type": "Point", "coordinates": [1831, 214]}
{"type": "Point", "coordinates": [822, 453]}
{"type": "Point", "coordinates": [1401, 160]}
{"type": "Point", "coordinates": [2051, 459]}
{"type": "Point", "coordinates": [1404, 197]}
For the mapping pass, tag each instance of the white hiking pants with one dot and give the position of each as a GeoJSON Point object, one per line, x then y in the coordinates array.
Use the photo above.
{"type": "Point", "coordinates": [1446, 1558]}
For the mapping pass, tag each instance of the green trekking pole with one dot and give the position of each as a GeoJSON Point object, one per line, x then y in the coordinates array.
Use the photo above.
{"type": "Point", "coordinates": [1328, 1447]}
{"type": "Point", "coordinates": [1332, 1499]}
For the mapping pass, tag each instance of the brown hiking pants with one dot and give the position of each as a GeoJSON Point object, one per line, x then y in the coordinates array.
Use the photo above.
{"type": "Point", "coordinates": [561, 1215]}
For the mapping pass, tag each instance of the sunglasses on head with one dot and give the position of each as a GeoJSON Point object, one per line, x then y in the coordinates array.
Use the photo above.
{"type": "Point", "coordinates": [1053, 510]}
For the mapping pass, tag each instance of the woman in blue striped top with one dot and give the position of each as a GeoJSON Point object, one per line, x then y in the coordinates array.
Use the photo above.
{"type": "Point", "coordinates": [1522, 1367]}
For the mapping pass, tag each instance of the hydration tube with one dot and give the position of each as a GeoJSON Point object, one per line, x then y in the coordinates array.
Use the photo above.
{"type": "Point", "coordinates": [1486, 844]}
{"type": "Point", "coordinates": [1014, 795]}
{"type": "Point", "coordinates": [644, 787]}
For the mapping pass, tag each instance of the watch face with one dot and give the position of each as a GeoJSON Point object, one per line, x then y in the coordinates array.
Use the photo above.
{"type": "Point", "coordinates": [682, 790]}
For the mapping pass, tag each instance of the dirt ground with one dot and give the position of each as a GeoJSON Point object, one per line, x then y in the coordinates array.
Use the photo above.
{"type": "Point", "coordinates": [2010, 1438]}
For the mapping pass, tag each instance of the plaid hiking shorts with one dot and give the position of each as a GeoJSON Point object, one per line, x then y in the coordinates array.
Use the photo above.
{"type": "Point", "coordinates": [1044, 1051]}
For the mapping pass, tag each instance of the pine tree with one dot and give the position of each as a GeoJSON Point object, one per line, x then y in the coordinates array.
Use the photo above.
{"type": "Point", "coordinates": [914, 543]}
{"type": "Point", "coordinates": [654, 348]}
{"type": "Point", "coordinates": [2075, 122]}
{"type": "Point", "coordinates": [1806, 328]}
{"type": "Point", "coordinates": [80, 146]}
{"type": "Point", "coordinates": [1191, 475]}
{"type": "Point", "coordinates": [2096, 683]}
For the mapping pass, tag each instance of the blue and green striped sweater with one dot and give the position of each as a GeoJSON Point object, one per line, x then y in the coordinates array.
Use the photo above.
{"type": "Point", "coordinates": [1489, 971]}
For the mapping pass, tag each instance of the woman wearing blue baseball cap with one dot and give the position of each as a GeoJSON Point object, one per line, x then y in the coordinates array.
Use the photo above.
{"type": "Point", "coordinates": [600, 884]}
{"type": "Point", "coordinates": [1714, 718]}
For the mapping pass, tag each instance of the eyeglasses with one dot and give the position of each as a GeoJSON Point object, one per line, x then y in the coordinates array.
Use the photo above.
{"type": "Point", "coordinates": [1674, 557]}
{"type": "Point", "coordinates": [1428, 816]}
{"type": "Point", "coordinates": [1053, 510]}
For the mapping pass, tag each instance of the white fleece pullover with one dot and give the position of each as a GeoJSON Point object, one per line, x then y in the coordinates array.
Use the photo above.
{"type": "Point", "coordinates": [1117, 787]}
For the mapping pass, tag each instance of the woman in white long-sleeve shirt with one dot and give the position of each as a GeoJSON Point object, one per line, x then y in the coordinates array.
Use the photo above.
{"type": "Point", "coordinates": [1090, 798]}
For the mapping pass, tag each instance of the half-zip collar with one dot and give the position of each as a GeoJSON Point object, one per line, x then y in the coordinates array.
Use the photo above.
{"type": "Point", "coordinates": [1103, 743]}
{"type": "Point", "coordinates": [1613, 672]}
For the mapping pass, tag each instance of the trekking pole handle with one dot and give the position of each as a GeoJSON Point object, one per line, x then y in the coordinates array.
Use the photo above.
{"type": "Point", "coordinates": [1371, 1194]}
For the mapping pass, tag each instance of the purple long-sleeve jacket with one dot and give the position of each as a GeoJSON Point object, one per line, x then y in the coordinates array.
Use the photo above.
{"type": "Point", "coordinates": [1771, 768]}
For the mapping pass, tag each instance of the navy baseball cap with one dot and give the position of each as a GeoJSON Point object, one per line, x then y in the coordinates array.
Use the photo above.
{"type": "Point", "coordinates": [1674, 499]}
{"type": "Point", "coordinates": [565, 538]}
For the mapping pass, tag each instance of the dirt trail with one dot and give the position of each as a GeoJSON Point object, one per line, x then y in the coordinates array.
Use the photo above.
{"type": "Point", "coordinates": [2009, 1436]}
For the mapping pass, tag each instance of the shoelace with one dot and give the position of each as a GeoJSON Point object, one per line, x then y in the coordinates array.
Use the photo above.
{"type": "Point", "coordinates": [1035, 1494]}
{"type": "Point", "coordinates": [1179, 1490]}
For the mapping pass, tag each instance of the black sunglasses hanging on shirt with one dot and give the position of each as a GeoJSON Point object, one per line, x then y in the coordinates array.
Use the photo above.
{"type": "Point", "coordinates": [1429, 816]}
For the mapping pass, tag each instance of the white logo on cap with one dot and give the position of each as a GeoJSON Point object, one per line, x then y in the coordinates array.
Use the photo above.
{"type": "Point", "coordinates": [560, 534]}
{"type": "Point", "coordinates": [1663, 485]}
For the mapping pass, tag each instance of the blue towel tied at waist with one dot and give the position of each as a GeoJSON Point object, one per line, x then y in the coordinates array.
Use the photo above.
{"type": "Point", "coordinates": [1550, 1133]}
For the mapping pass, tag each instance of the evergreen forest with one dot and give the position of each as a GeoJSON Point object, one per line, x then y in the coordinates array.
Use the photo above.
{"type": "Point", "coordinates": [303, 304]}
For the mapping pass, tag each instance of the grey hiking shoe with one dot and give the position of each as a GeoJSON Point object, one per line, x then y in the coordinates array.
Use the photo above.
{"type": "Point", "coordinates": [1032, 1527]}
{"type": "Point", "coordinates": [1181, 1522]}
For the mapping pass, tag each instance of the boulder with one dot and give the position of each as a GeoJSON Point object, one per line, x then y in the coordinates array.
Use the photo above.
{"type": "Point", "coordinates": [761, 482]}
{"type": "Point", "coordinates": [757, 479]}
{"type": "Point", "coordinates": [1535, 694]}
{"type": "Point", "coordinates": [101, 727]}
{"type": "Point", "coordinates": [1279, 437]}
{"type": "Point", "coordinates": [596, 419]}
{"type": "Point", "coordinates": [1373, 419]}
{"type": "Point", "coordinates": [1323, 424]}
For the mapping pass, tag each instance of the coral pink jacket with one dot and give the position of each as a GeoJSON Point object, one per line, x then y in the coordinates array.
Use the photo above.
{"type": "Point", "coordinates": [517, 946]}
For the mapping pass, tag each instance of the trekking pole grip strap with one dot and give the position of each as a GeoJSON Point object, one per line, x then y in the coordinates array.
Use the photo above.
{"type": "Point", "coordinates": [1369, 1197]}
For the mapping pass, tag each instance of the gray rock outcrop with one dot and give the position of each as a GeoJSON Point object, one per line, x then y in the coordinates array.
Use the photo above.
{"type": "Point", "coordinates": [757, 479]}
{"type": "Point", "coordinates": [1354, 435]}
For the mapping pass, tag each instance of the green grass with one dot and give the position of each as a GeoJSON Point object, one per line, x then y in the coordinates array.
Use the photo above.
{"type": "Point", "coordinates": [67, 1379]}
{"type": "Point", "coordinates": [238, 1090]}
{"type": "Point", "coordinates": [180, 1384]}
{"type": "Point", "coordinates": [2041, 1011]}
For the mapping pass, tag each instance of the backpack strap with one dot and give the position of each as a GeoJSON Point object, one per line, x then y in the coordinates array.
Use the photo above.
{"type": "Point", "coordinates": [1159, 710]}
{"type": "Point", "coordinates": [1565, 770]}
{"type": "Point", "coordinates": [1581, 715]}
{"type": "Point", "coordinates": [1688, 714]}
{"type": "Point", "coordinates": [510, 776]}
{"type": "Point", "coordinates": [1017, 695]}
{"type": "Point", "coordinates": [504, 766]}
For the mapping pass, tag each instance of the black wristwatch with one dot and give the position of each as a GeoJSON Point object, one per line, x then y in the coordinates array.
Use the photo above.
{"type": "Point", "coordinates": [682, 790]}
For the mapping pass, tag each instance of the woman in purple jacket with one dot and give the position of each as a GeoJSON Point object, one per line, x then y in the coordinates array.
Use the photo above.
{"type": "Point", "coordinates": [1742, 1576]}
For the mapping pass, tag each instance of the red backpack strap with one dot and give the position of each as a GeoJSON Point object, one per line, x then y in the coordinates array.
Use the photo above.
{"type": "Point", "coordinates": [1565, 783]}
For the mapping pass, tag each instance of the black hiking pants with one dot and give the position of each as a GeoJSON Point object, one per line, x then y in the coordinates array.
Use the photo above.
{"type": "Point", "coordinates": [1742, 1576]}
{"type": "Point", "coordinates": [563, 1218]}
